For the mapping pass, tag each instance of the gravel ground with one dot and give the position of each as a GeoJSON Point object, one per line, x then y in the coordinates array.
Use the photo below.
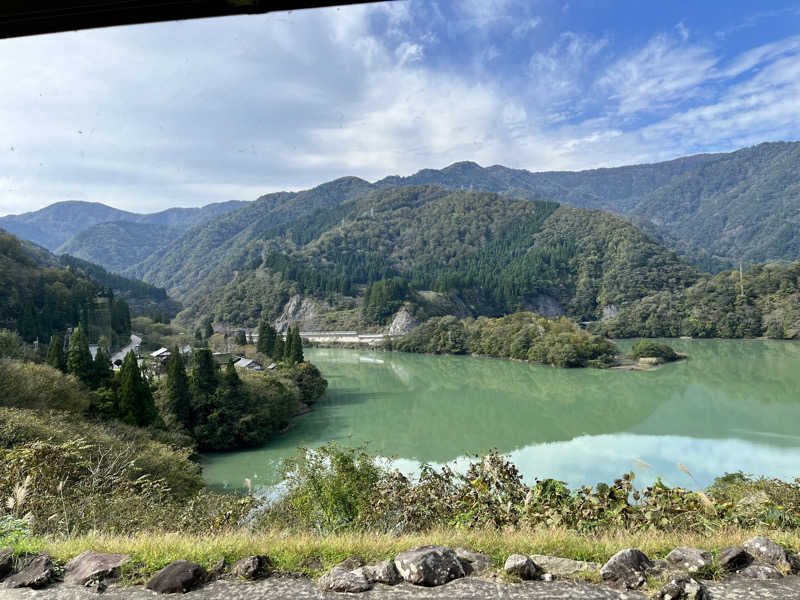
{"type": "Point", "coordinates": [281, 588]}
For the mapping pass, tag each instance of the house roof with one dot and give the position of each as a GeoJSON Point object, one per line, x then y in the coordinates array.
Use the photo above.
{"type": "Point", "coordinates": [159, 352]}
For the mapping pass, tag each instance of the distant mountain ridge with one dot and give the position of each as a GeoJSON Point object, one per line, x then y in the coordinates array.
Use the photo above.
{"type": "Point", "coordinates": [57, 223]}
{"type": "Point", "coordinates": [714, 209]}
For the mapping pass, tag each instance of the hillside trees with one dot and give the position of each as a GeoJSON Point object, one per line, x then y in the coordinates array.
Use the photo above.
{"type": "Point", "coordinates": [79, 359]}
{"type": "Point", "coordinates": [55, 353]}
{"type": "Point", "coordinates": [135, 402]}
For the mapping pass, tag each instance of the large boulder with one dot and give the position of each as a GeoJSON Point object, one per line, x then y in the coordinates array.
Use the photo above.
{"type": "Point", "coordinates": [429, 565]}
{"type": "Point", "coordinates": [177, 578]}
{"type": "Point", "coordinates": [734, 558]}
{"type": "Point", "coordinates": [93, 566]}
{"type": "Point", "coordinates": [563, 567]}
{"type": "Point", "coordinates": [351, 563]}
{"type": "Point", "coordinates": [36, 573]}
{"type": "Point", "coordinates": [474, 563]}
{"type": "Point", "coordinates": [627, 568]}
{"type": "Point", "coordinates": [522, 567]}
{"type": "Point", "coordinates": [760, 572]}
{"type": "Point", "coordinates": [689, 559]}
{"type": "Point", "coordinates": [340, 580]}
{"type": "Point", "coordinates": [768, 552]}
{"type": "Point", "coordinates": [6, 562]}
{"type": "Point", "coordinates": [683, 587]}
{"type": "Point", "coordinates": [252, 567]}
{"type": "Point", "coordinates": [384, 572]}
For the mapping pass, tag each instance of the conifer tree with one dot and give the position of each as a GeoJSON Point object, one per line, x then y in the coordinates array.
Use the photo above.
{"type": "Point", "coordinates": [55, 353]}
{"type": "Point", "coordinates": [101, 368]}
{"type": "Point", "coordinates": [278, 347]}
{"type": "Point", "coordinates": [266, 338]}
{"type": "Point", "coordinates": [204, 374]}
{"type": "Point", "coordinates": [136, 406]}
{"type": "Point", "coordinates": [297, 347]}
{"type": "Point", "coordinates": [179, 395]}
{"type": "Point", "coordinates": [79, 359]}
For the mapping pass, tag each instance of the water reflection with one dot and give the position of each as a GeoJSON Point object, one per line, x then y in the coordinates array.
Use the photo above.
{"type": "Point", "coordinates": [731, 406]}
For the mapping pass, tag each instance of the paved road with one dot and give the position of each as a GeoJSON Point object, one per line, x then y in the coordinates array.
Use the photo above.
{"type": "Point", "coordinates": [281, 588]}
{"type": "Point", "coordinates": [135, 341]}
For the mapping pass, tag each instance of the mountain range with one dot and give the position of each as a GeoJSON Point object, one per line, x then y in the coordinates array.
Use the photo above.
{"type": "Point", "coordinates": [476, 240]}
{"type": "Point", "coordinates": [57, 223]}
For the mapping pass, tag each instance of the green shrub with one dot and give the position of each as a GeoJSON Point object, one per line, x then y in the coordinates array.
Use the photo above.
{"type": "Point", "coordinates": [650, 349]}
{"type": "Point", "coordinates": [30, 385]}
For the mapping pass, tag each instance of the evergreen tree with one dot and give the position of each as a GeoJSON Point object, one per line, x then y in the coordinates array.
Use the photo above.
{"type": "Point", "coordinates": [55, 353]}
{"type": "Point", "coordinates": [179, 396]}
{"type": "Point", "coordinates": [266, 338]}
{"type": "Point", "coordinates": [101, 369]}
{"type": "Point", "coordinates": [241, 338]}
{"type": "Point", "coordinates": [79, 359]}
{"type": "Point", "coordinates": [198, 334]}
{"type": "Point", "coordinates": [278, 347]}
{"type": "Point", "coordinates": [204, 374]}
{"type": "Point", "coordinates": [293, 351]}
{"type": "Point", "coordinates": [209, 329]}
{"type": "Point", "coordinates": [136, 406]}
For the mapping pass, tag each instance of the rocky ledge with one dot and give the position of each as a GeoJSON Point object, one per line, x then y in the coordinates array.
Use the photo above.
{"type": "Point", "coordinates": [760, 568]}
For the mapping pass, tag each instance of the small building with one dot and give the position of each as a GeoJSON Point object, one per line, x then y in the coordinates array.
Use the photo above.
{"type": "Point", "coordinates": [248, 364]}
{"type": "Point", "coordinates": [187, 349]}
{"type": "Point", "coordinates": [160, 353]}
{"type": "Point", "coordinates": [272, 366]}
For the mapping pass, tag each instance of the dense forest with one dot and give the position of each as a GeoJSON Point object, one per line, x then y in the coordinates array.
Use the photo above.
{"type": "Point", "coordinates": [498, 254]}
{"type": "Point", "coordinates": [522, 336]}
{"type": "Point", "coordinates": [762, 301]}
{"type": "Point", "coordinates": [40, 301]}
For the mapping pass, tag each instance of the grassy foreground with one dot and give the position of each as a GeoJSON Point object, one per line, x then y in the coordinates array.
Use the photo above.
{"type": "Point", "coordinates": [292, 552]}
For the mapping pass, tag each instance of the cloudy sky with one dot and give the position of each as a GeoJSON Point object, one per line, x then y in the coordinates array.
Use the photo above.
{"type": "Point", "coordinates": [187, 113]}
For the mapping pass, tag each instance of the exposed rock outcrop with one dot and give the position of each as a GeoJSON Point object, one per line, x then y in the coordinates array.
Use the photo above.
{"type": "Point", "coordinates": [627, 568]}
{"type": "Point", "coordinates": [734, 558]}
{"type": "Point", "coordinates": [521, 566]}
{"type": "Point", "coordinates": [341, 580]}
{"type": "Point", "coordinates": [683, 587]}
{"type": "Point", "coordinates": [36, 573]}
{"type": "Point", "coordinates": [177, 578]}
{"type": "Point", "coordinates": [252, 567]}
{"type": "Point", "coordinates": [403, 322]}
{"type": "Point", "coordinates": [96, 566]}
{"type": "Point", "coordinates": [563, 567]}
{"type": "Point", "coordinates": [474, 563]}
{"type": "Point", "coordinates": [429, 565]}
{"type": "Point", "coordinates": [298, 311]}
{"type": "Point", "coordinates": [384, 572]}
{"type": "Point", "coordinates": [689, 559]}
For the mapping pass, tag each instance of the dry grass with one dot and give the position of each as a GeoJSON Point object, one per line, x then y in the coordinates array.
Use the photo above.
{"type": "Point", "coordinates": [150, 552]}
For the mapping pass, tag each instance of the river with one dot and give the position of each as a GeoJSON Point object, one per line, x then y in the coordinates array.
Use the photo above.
{"type": "Point", "coordinates": [733, 405]}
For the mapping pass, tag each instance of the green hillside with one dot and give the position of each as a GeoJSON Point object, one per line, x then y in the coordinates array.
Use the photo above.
{"type": "Point", "coordinates": [487, 253]}
{"type": "Point", "coordinates": [39, 301]}
{"type": "Point", "coordinates": [715, 210]}
{"type": "Point", "coordinates": [119, 244]}
{"type": "Point", "coordinates": [762, 301]}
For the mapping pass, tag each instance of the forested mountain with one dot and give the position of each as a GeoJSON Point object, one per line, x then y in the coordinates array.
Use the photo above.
{"type": "Point", "coordinates": [197, 261]}
{"type": "Point", "coordinates": [762, 301]}
{"type": "Point", "coordinates": [488, 253]}
{"type": "Point", "coordinates": [54, 225]}
{"type": "Point", "coordinates": [714, 209]}
{"type": "Point", "coordinates": [117, 245]}
{"type": "Point", "coordinates": [40, 300]}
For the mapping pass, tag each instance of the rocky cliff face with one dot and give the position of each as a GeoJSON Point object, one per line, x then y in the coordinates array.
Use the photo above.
{"type": "Point", "coordinates": [402, 323]}
{"type": "Point", "coordinates": [299, 311]}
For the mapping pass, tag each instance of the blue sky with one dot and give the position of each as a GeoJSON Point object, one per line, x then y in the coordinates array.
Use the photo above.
{"type": "Point", "coordinates": [187, 113]}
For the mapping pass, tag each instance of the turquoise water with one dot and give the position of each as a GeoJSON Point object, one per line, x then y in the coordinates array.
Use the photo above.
{"type": "Point", "coordinates": [733, 405]}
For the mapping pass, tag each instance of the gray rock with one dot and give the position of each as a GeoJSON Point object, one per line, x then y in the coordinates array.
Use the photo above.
{"type": "Point", "coordinates": [93, 566]}
{"type": "Point", "coordinates": [177, 577]}
{"type": "Point", "coordinates": [627, 568]}
{"type": "Point", "coordinates": [36, 573]}
{"type": "Point", "coordinates": [689, 559]}
{"type": "Point", "coordinates": [734, 558]}
{"type": "Point", "coordinates": [252, 567]}
{"type": "Point", "coordinates": [218, 570]}
{"type": "Point", "coordinates": [429, 565]}
{"type": "Point", "coordinates": [351, 563]}
{"type": "Point", "coordinates": [384, 572]}
{"type": "Point", "coordinates": [683, 587]}
{"type": "Point", "coordinates": [769, 552]}
{"type": "Point", "coordinates": [340, 580]}
{"type": "Point", "coordinates": [521, 566]}
{"type": "Point", "coordinates": [6, 562]}
{"type": "Point", "coordinates": [760, 572]}
{"type": "Point", "coordinates": [474, 563]}
{"type": "Point", "coordinates": [563, 567]}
